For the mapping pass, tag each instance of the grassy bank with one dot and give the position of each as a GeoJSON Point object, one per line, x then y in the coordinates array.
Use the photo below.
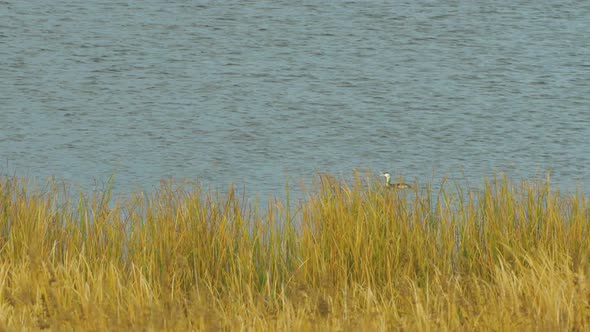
{"type": "Point", "coordinates": [353, 257]}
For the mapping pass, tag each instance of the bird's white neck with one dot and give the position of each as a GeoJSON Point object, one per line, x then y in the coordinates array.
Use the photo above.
{"type": "Point", "coordinates": [387, 178]}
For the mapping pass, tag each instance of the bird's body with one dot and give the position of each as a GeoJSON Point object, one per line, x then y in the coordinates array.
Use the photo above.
{"type": "Point", "coordinates": [397, 185]}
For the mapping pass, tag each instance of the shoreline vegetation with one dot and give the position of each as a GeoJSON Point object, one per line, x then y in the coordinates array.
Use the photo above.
{"type": "Point", "coordinates": [352, 256]}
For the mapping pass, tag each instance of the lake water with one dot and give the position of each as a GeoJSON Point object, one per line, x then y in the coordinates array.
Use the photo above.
{"type": "Point", "coordinates": [253, 92]}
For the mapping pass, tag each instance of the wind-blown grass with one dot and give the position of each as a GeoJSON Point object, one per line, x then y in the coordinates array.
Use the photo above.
{"type": "Point", "coordinates": [353, 256]}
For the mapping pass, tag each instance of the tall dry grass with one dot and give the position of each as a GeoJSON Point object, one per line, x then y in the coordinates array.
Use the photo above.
{"type": "Point", "coordinates": [354, 256]}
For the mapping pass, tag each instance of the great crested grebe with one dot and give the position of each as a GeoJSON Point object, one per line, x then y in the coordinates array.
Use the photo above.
{"type": "Point", "coordinates": [398, 185]}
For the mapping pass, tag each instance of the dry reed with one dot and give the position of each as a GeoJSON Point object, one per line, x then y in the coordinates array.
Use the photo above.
{"type": "Point", "coordinates": [353, 256]}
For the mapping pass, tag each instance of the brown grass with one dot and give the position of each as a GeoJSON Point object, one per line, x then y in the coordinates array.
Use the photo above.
{"type": "Point", "coordinates": [353, 256]}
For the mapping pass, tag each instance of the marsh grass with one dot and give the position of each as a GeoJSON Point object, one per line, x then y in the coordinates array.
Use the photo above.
{"type": "Point", "coordinates": [353, 256]}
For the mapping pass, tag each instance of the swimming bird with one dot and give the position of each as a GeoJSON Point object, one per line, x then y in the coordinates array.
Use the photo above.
{"type": "Point", "coordinates": [398, 185]}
